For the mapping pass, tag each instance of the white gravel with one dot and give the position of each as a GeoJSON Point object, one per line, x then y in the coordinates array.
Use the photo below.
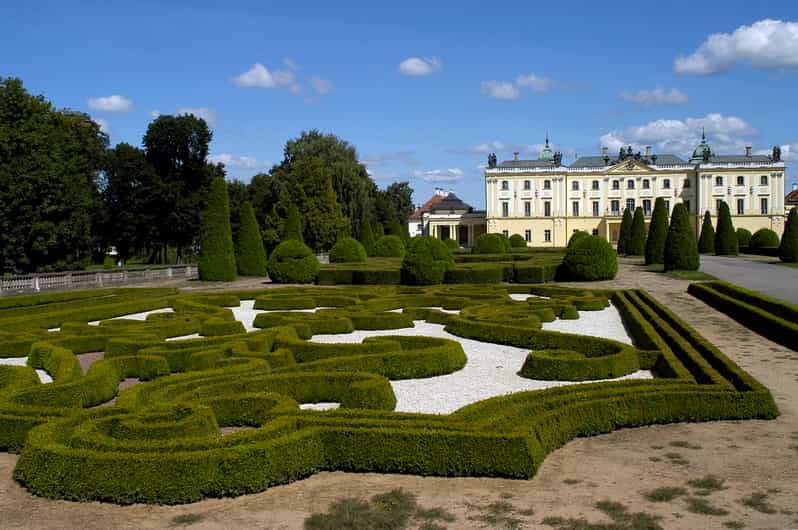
{"type": "Point", "coordinates": [324, 405]}
{"type": "Point", "coordinates": [136, 316]}
{"type": "Point", "coordinates": [44, 377]}
{"type": "Point", "coordinates": [518, 297]}
{"type": "Point", "coordinates": [246, 313]}
{"type": "Point", "coordinates": [606, 324]}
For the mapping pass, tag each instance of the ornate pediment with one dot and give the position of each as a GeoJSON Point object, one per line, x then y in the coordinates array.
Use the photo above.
{"type": "Point", "coordinates": [630, 165]}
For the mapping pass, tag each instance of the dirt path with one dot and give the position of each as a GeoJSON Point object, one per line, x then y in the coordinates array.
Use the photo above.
{"type": "Point", "coordinates": [751, 456]}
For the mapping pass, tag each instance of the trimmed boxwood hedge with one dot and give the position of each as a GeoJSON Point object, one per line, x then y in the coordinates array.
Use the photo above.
{"type": "Point", "coordinates": [347, 250]}
{"type": "Point", "coordinates": [763, 238]}
{"type": "Point", "coordinates": [293, 262]}
{"type": "Point", "coordinates": [589, 259]}
{"type": "Point", "coordinates": [517, 241]}
{"type": "Point", "coordinates": [490, 244]}
{"type": "Point", "coordinates": [426, 261]}
{"type": "Point", "coordinates": [569, 365]}
{"type": "Point", "coordinates": [389, 247]}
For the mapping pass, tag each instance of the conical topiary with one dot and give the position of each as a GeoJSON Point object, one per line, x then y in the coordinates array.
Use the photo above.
{"type": "Point", "coordinates": [788, 249]}
{"type": "Point", "coordinates": [250, 255]}
{"type": "Point", "coordinates": [293, 225]}
{"type": "Point", "coordinates": [637, 239]}
{"type": "Point", "coordinates": [657, 232]}
{"type": "Point", "coordinates": [625, 234]}
{"type": "Point", "coordinates": [725, 235]}
{"type": "Point", "coordinates": [367, 238]}
{"type": "Point", "coordinates": [217, 261]}
{"type": "Point", "coordinates": [681, 250]}
{"type": "Point", "coordinates": [706, 243]}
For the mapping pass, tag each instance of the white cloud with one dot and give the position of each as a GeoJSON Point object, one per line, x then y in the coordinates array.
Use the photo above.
{"type": "Point", "coordinates": [154, 113]}
{"type": "Point", "coordinates": [440, 175]}
{"type": "Point", "coordinates": [765, 44]}
{"type": "Point", "coordinates": [239, 162]}
{"type": "Point", "coordinates": [680, 137]}
{"type": "Point", "coordinates": [499, 90]}
{"type": "Point", "coordinates": [115, 103]}
{"type": "Point", "coordinates": [535, 83]}
{"type": "Point", "coordinates": [261, 77]}
{"type": "Point", "coordinates": [200, 112]}
{"type": "Point", "coordinates": [321, 86]}
{"type": "Point", "coordinates": [789, 152]}
{"type": "Point", "coordinates": [657, 96]}
{"type": "Point", "coordinates": [292, 64]}
{"type": "Point", "coordinates": [420, 66]}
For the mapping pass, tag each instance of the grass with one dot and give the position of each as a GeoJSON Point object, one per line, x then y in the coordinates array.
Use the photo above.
{"type": "Point", "coordinates": [187, 519]}
{"type": "Point", "coordinates": [735, 525]}
{"type": "Point", "coordinates": [621, 518]}
{"type": "Point", "coordinates": [702, 506]}
{"type": "Point", "coordinates": [707, 485]}
{"type": "Point", "coordinates": [664, 494]}
{"type": "Point", "coordinates": [571, 481]}
{"type": "Point", "coordinates": [677, 458]}
{"type": "Point", "coordinates": [759, 502]}
{"type": "Point", "coordinates": [499, 514]}
{"type": "Point", "coordinates": [684, 444]}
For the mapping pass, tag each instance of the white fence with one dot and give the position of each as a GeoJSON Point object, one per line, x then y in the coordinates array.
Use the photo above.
{"type": "Point", "coordinates": [59, 281]}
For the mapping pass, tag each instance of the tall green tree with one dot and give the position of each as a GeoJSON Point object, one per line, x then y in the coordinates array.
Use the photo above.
{"type": "Point", "coordinates": [657, 233]}
{"type": "Point", "coordinates": [394, 203]}
{"type": "Point", "coordinates": [625, 233]}
{"type": "Point", "coordinates": [238, 193]}
{"type": "Point", "coordinates": [637, 238]}
{"type": "Point", "coordinates": [50, 163]}
{"type": "Point", "coordinates": [250, 256]}
{"type": "Point", "coordinates": [681, 250]}
{"type": "Point", "coordinates": [293, 225]}
{"type": "Point", "coordinates": [706, 242]}
{"type": "Point", "coordinates": [725, 235]}
{"type": "Point", "coordinates": [217, 260]}
{"type": "Point", "coordinates": [367, 238]}
{"type": "Point", "coordinates": [788, 249]}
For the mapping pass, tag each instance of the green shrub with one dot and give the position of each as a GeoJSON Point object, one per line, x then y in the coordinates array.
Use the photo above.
{"type": "Point", "coordinates": [744, 237]}
{"type": "Point", "coordinates": [293, 262]}
{"type": "Point", "coordinates": [681, 251]}
{"type": "Point", "coordinates": [569, 365]}
{"type": "Point", "coordinates": [426, 261]}
{"type": "Point", "coordinates": [706, 242]}
{"type": "Point", "coordinates": [725, 236]}
{"type": "Point", "coordinates": [389, 247]}
{"type": "Point", "coordinates": [489, 244]}
{"type": "Point", "coordinates": [347, 250]}
{"type": "Point", "coordinates": [214, 327]}
{"type": "Point", "coordinates": [788, 248]}
{"type": "Point", "coordinates": [517, 241]}
{"type": "Point", "coordinates": [452, 244]}
{"type": "Point", "coordinates": [474, 273]}
{"type": "Point", "coordinates": [293, 229]}
{"type": "Point", "coordinates": [217, 260]}
{"type": "Point", "coordinates": [250, 255]}
{"type": "Point", "coordinates": [590, 259]}
{"type": "Point", "coordinates": [367, 238]}
{"type": "Point", "coordinates": [576, 236]}
{"type": "Point", "coordinates": [763, 238]}
{"type": "Point", "coordinates": [657, 233]}
{"type": "Point", "coordinates": [637, 237]}
{"type": "Point", "coordinates": [625, 233]}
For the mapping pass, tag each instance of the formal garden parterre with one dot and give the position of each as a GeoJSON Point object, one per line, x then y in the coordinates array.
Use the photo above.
{"type": "Point", "coordinates": [161, 441]}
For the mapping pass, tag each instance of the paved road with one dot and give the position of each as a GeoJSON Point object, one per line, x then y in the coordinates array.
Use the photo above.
{"type": "Point", "coordinates": [761, 275]}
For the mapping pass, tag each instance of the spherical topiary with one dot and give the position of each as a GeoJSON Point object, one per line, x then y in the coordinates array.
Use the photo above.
{"type": "Point", "coordinates": [489, 244]}
{"type": "Point", "coordinates": [725, 236]}
{"type": "Point", "coordinates": [764, 237]}
{"type": "Point", "coordinates": [293, 262]}
{"type": "Point", "coordinates": [744, 237]}
{"type": "Point", "coordinates": [426, 261]}
{"type": "Point", "coordinates": [506, 242]}
{"type": "Point", "coordinates": [681, 250]}
{"type": "Point", "coordinates": [657, 232]}
{"type": "Point", "coordinates": [452, 244]}
{"type": "Point", "coordinates": [788, 249]}
{"type": "Point", "coordinates": [637, 238]}
{"type": "Point", "coordinates": [517, 241]}
{"type": "Point", "coordinates": [590, 258]}
{"type": "Point", "coordinates": [576, 236]}
{"type": "Point", "coordinates": [389, 247]}
{"type": "Point", "coordinates": [625, 233]}
{"type": "Point", "coordinates": [347, 250]}
{"type": "Point", "coordinates": [250, 255]}
{"type": "Point", "coordinates": [217, 260]}
{"type": "Point", "coordinates": [706, 242]}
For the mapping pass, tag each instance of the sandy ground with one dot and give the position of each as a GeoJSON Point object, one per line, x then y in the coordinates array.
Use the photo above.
{"type": "Point", "coordinates": [751, 456]}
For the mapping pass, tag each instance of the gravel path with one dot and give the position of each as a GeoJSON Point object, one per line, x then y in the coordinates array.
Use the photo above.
{"type": "Point", "coordinates": [756, 274]}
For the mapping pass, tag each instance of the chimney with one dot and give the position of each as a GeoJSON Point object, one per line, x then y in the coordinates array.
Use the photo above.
{"type": "Point", "coordinates": [515, 155]}
{"type": "Point", "coordinates": [748, 151]}
{"type": "Point", "coordinates": [604, 151]}
{"type": "Point", "coordinates": [648, 150]}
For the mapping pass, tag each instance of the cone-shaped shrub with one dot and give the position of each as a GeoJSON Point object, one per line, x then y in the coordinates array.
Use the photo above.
{"type": "Point", "coordinates": [625, 233]}
{"type": "Point", "coordinates": [347, 250]}
{"type": "Point", "coordinates": [217, 261]}
{"type": "Point", "coordinates": [681, 250]}
{"type": "Point", "coordinates": [250, 255]}
{"type": "Point", "coordinates": [764, 237]}
{"type": "Point", "coordinates": [293, 262]}
{"type": "Point", "coordinates": [590, 258]}
{"type": "Point", "coordinates": [293, 225]}
{"type": "Point", "coordinates": [657, 232]}
{"type": "Point", "coordinates": [706, 243]}
{"type": "Point", "coordinates": [389, 247]}
{"type": "Point", "coordinates": [426, 261]}
{"type": "Point", "coordinates": [367, 238]}
{"type": "Point", "coordinates": [744, 237]}
{"type": "Point", "coordinates": [517, 241]}
{"type": "Point", "coordinates": [788, 249]}
{"type": "Point", "coordinates": [637, 239]}
{"type": "Point", "coordinates": [725, 236]}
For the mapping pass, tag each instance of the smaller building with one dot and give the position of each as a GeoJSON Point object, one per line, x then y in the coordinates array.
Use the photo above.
{"type": "Point", "coordinates": [446, 216]}
{"type": "Point", "coordinates": [791, 200]}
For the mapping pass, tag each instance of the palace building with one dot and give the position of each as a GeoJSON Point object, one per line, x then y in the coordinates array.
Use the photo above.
{"type": "Point", "coordinates": [545, 201]}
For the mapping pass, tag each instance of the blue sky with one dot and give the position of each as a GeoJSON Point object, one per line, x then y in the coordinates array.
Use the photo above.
{"type": "Point", "coordinates": [424, 90]}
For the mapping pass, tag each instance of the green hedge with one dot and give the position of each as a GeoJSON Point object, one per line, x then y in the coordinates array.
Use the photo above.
{"type": "Point", "coordinates": [293, 262]}
{"type": "Point", "coordinates": [426, 261]}
{"type": "Point", "coordinates": [569, 365]}
{"type": "Point", "coordinates": [491, 244]}
{"type": "Point", "coordinates": [589, 259]}
{"type": "Point", "coordinates": [347, 250]}
{"type": "Point", "coordinates": [389, 247]}
{"type": "Point", "coordinates": [763, 238]}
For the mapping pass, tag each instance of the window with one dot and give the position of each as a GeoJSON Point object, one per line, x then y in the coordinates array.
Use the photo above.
{"type": "Point", "coordinates": [718, 180]}
{"type": "Point", "coordinates": [687, 206]}
{"type": "Point", "coordinates": [527, 185]}
{"type": "Point", "coordinates": [595, 208]}
{"type": "Point", "coordinates": [505, 209]}
{"type": "Point", "coordinates": [646, 184]}
{"type": "Point", "coordinates": [595, 231]}
{"type": "Point", "coordinates": [687, 183]}
{"type": "Point", "coordinates": [646, 206]}
{"type": "Point", "coordinates": [615, 207]}
{"type": "Point", "coordinates": [575, 208]}
{"type": "Point", "coordinates": [741, 180]}
{"type": "Point", "coordinates": [505, 233]}
{"type": "Point", "coordinates": [547, 208]}
{"type": "Point", "coordinates": [547, 236]}
{"type": "Point", "coordinates": [527, 208]}
{"type": "Point", "coordinates": [595, 184]}
{"type": "Point", "coordinates": [527, 235]}
{"type": "Point", "coordinates": [666, 184]}
{"type": "Point", "coordinates": [717, 205]}
{"type": "Point", "coordinates": [763, 206]}
{"type": "Point", "coordinates": [630, 184]}
{"type": "Point", "coordinates": [575, 185]}
{"type": "Point", "coordinates": [616, 184]}
{"type": "Point", "coordinates": [763, 180]}
{"type": "Point", "coordinates": [546, 184]}
{"type": "Point", "coordinates": [630, 203]}
{"type": "Point", "coordinates": [740, 206]}
{"type": "Point", "coordinates": [505, 185]}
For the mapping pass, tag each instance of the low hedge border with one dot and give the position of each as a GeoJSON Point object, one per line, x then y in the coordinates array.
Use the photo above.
{"type": "Point", "coordinates": [569, 365]}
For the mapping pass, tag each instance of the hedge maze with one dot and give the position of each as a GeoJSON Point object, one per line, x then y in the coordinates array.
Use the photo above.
{"type": "Point", "coordinates": [162, 441]}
